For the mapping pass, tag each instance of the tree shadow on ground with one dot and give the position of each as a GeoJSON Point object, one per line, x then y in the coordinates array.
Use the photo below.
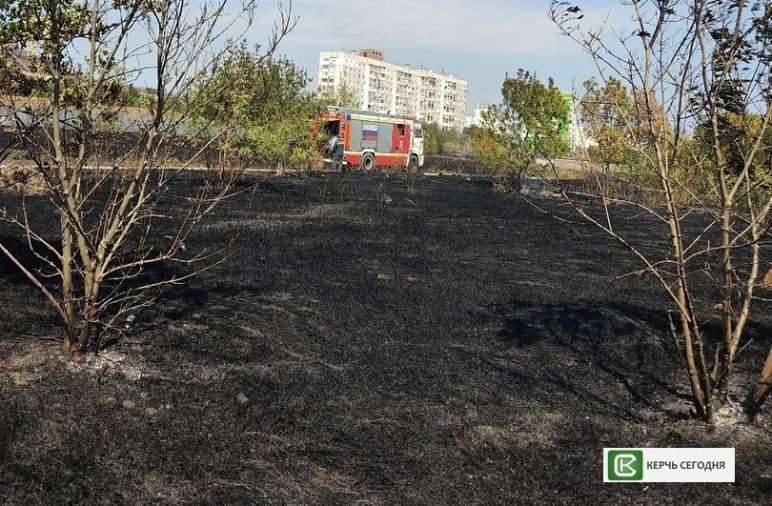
{"type": "Point", "coordinates": [627, 345]}
{"type": "Point", "coordinates": [175, 304]}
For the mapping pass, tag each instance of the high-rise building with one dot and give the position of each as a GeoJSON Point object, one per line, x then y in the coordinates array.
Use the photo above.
{"type": "Point", "coordinates": [395, 89]}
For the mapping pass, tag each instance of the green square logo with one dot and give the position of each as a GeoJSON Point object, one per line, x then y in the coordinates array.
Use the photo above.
{"type": "Point", "coordinates": [625, 465]}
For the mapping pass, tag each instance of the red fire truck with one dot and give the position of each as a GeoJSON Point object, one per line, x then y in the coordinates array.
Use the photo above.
{"type": "Point", "coordinates": [374, 139]}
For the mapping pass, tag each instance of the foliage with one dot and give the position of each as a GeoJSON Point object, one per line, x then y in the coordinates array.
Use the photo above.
{"type": "Point", "coordinates": [536, 111]}
{"type": "Point", "coordinates": [432, 141]}
{"type": "Point", "coordinates": [442, 141]}
{"type": "Point", "coordinates": [263, 105]}
{"type": "Point", "coordinates": [491, 149]}
{"type": "Point", "coordinates": [526, 125]}
{"type": "Point", "coordinates": [340, 96]}
{"type": "Point", "coordinates": [53, 30]}
{"type": "Point", "coordinates": [53, 25]}
{"type": "Point", "coordinates": [736, 132]}
{"type": "Point", "coordinates": [133, 96]}
{"type": "Point", "coordinates": [605, 111]}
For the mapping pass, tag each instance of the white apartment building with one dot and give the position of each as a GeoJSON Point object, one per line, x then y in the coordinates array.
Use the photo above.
{"type": "Point", "coordinates": [395, 89]}
{"type": "Point", "coordinates": [477, 118]}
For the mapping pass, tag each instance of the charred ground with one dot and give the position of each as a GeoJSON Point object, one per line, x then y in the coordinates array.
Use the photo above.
{"type": "Point", "coordinates": [455, 346]}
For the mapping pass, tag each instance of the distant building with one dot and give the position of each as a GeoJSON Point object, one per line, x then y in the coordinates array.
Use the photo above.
{"type": "Point", "coordinates": [396, 89]}
{"type": "Point", "coordinates": [572, 131]}
{"type": "Point", "coordinates": [476, 119]}
{"type": "Point", "coordinates": [374, 54]}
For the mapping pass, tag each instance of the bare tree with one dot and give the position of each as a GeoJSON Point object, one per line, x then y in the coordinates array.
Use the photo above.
{"type": "Point", "coordinates": [697, 74]}
{"type": "Point", "coordinates": [108, 169]}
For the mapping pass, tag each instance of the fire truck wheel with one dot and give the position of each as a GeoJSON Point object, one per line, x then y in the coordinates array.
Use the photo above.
{"type": "Point", "coordinates": [368, 162]}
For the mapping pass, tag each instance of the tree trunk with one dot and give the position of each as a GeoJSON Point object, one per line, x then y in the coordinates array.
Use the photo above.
{"type": "Point", "coordinates": [723, 370]}
{"type": "Point", "coordinates": [763, 387]}
{"type": "Point", "coordinates": [698, 394]}
{"type": "Point", "coordinates": [91, 288]}
{"type": "Point", "coordinates": [67, 292]}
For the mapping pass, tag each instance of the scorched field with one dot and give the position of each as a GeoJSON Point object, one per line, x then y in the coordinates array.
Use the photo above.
{"type": "Point", "coordinates": [363, 344]}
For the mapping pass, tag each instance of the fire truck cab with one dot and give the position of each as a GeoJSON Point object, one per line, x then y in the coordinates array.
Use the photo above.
{"type": "Point", "coordinates": [373, 140]}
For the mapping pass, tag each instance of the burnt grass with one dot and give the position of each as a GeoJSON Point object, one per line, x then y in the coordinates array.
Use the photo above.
{"type": "Point", "coordinates": [495, 375]}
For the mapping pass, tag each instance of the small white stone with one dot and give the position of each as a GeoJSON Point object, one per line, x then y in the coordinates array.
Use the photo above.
{"type": "Point", "coordinates": [114, 356]}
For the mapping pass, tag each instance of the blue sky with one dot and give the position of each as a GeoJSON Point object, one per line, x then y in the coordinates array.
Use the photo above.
{"type": "Point", "coordinates": [477, 40]}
